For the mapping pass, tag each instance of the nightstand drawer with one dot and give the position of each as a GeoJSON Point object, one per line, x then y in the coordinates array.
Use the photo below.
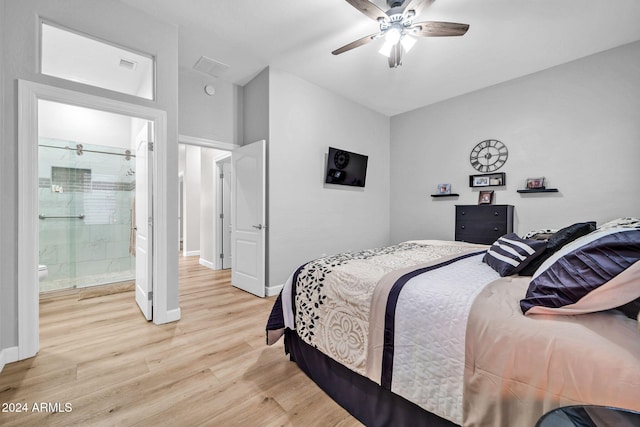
{"type": "Point", "coordinates": [483, 223]}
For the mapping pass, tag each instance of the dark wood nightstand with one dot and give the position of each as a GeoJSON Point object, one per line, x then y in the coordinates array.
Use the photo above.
{"type": "Point", "coordinates": [483, 223]}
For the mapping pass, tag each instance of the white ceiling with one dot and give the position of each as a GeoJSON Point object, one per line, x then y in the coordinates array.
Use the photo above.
{"type": "Point", "coordinates": [506, 39]}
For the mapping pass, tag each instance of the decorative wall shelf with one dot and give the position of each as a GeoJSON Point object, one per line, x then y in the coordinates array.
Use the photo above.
{"type": "Point", "coordinates": [488, 180]}
{"type": "Point", "coordinates": [445, 195]}
{"type": "Point", "coordinates": [538, 190]}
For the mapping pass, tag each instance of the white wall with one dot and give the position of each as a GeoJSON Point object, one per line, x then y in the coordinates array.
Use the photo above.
{"type": "Point", "coordinates": [307, 218]}
{"type": "Point", "coordinates": [575, 124]}
{"type": "Point", "coordinates": [216, 117]}
{"type": "Point", "coordinates": [191, 202]}
{"type": "Point", "coordinates": [207, 207]}
{"type": "Point", "coordinates": [108, 20]}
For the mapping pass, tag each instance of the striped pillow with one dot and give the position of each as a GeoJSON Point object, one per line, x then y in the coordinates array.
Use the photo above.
{"type": "Point", "coordinates": [597, 272]}
{"type": "Point", "coordinates": [510, 254]}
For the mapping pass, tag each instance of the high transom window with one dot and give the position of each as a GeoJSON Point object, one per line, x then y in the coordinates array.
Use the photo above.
{"type": "Point", "coordinates": [79, 58]}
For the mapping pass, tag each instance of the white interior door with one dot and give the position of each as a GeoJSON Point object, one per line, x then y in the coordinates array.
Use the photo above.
{"type": "Point", "coordinates": [248, 228]}
{"type": "Point", "coordinates": [144, 215]}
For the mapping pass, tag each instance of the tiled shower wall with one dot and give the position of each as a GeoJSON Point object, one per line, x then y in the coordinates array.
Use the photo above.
{"type": "Point", "coordinates": [92, 250]}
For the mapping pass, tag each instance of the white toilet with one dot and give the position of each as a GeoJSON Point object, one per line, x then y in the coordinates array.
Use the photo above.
{"type": "Point", "coordinates": [42, 272]}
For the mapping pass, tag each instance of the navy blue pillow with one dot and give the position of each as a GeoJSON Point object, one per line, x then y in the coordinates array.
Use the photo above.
{"type": "Point", "coordinates": [558, 240]}
{"type": "Point", "coordinates": [584, 266]}
{"type": "Point", "coordinates": [509, 254]}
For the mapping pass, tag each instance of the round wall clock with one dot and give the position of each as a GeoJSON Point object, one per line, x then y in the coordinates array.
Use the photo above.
{"type": "Point", "coordinates": [489, 155]}
{"type": "Point", "coordinates": [341, 159]}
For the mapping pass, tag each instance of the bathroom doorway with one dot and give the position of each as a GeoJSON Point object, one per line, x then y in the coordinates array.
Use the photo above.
{"type": "Point", "coordinates": [30, 95]}
{"type": "Point", "coordinates": [86, 196]}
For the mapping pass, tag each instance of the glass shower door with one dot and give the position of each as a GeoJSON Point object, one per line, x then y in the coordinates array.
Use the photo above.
{"type": "Point", "coordinates": [85, 201]}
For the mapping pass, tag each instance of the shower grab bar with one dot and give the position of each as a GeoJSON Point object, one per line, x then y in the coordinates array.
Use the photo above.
{"type": "Point", "coordinates": [81, 216]}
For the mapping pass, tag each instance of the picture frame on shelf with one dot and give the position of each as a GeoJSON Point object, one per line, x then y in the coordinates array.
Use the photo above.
{"type": "Point", "coordinates": [496, 179]}
{"type": "Point", "coordinates": [480, 181]}
{"type": "Point", "coordinates": [485, 197]}
{"type": "Point", "coordinates": [535, 183]}
{"type": "Point", "coordinates": [444, 189]}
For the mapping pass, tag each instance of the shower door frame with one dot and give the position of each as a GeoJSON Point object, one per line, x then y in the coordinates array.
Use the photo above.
{"type": "Point", "coordinates": [29, 93]}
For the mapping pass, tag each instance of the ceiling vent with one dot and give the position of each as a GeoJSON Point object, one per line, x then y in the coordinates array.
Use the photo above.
{"type": "Point", "coordinates": [210, 66]}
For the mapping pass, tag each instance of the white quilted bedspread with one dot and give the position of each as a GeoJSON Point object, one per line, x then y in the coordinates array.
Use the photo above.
{"type": "Point", "coordinates": [431, 319]}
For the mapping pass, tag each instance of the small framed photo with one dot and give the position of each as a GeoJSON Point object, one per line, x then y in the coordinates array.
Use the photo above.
{"type": "Point", "coordinates": [535, 183]}
{"type": "Point", "coordinates": [444, 188]}
{"type": "Point", "coordinates": [480, 181]}
{"type": "Point", "coordinates": [485, 198]}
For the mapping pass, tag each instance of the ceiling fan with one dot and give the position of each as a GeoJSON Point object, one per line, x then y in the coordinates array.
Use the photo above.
{"type": "Point", "coordinates": [397, 27]}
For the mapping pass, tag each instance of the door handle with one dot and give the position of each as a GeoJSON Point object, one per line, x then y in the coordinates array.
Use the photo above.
{"type": "Point", "coordinates": [259, 226]}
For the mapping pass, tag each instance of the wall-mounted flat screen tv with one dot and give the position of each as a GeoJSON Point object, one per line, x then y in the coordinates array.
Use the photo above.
{"type": "Point", "coordinates": [346, 168]}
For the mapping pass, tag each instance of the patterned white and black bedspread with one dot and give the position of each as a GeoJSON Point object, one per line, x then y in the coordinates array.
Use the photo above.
{"type": "Point", "coordinates": [396, 315]}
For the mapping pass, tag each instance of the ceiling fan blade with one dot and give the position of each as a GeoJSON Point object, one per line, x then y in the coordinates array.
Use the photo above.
{"type": "Point", "coordinates": [438, 29]}
{"type": "Point", "coordinates": [355, 44]}
{"type": "Point", "coordinates": [395, 57]}
{"type": "Point", "coordinates": [417, 6]}
{"type": "Point", "coordinates": [369, 9]}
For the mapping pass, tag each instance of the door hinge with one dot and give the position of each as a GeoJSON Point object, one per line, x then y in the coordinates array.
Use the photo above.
{"type": "Point", "coordinates": [150, 296]}
{"type": "Point", "coordinates": [221, 176]}
{"type": "Point", "coordinates": [150, 221]}
{"type": "Point", "coordinates": [150, 146]}
{"type": "Point", "coordinates": [221, 256]}
{"type": "Point", "coordinates": [221, 216]}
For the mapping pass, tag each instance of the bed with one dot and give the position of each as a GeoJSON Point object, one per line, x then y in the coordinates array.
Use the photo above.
{"type": "Point", "coordinates": [444, 333]}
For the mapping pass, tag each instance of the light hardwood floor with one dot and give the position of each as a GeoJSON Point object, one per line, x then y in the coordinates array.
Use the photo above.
{"type": "Point", "coordinates": [212, 368]}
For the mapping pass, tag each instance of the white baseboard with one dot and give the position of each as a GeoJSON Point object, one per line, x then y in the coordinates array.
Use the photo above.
{"type": "Point", "coordinates": [207, 264]}
{"type": "Point", "coordinates": [191, 253]}
{"type": "Point", "coordinates": [274, 290]}
{"type": "Point", "coordinates": [8, 355]}
{"type": "Point", "coordinates": [168, 317]}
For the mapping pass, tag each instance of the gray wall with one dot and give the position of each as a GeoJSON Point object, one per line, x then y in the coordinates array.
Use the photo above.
{"type": "Point", "coordinates": [307, 218]}
{"type": "Point", "coordinates": [108, 20]}
{"type": "Point", "coordinates": [215, 117]}
{"type": "Point", "coordinates": [255, 108]}
{"type": "Point", "coordinates": [575, 124]}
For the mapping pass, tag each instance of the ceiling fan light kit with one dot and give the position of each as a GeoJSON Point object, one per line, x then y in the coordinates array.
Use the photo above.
{"type": "Point", "coordinates": [397, 27]}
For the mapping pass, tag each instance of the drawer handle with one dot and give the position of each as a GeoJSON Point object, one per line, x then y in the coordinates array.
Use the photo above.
{"type": "Point", "coordinates": [464, 213]}
{"type": "Point", "coordinates": [496, 213]}
{"type": "Point", "coordinates": [495, 228]}
{"type": "Point", "coordinates": [462, 227]}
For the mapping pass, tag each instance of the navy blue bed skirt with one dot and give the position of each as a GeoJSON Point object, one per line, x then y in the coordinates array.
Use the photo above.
{"type": "Point", "coordinates": [365, 400]}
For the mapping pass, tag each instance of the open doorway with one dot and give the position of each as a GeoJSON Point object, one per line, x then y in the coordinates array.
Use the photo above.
{"type": "Point", "coordinates": [28, 207]}
{"type": "Point", "coordinates": [247, 197]}
{"type": "Point", "coordinates": [95, 172]}
{"type": "Point", "coordinates": [203, 212]}
{"type": "Point", "coordinates": [86, 193]}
